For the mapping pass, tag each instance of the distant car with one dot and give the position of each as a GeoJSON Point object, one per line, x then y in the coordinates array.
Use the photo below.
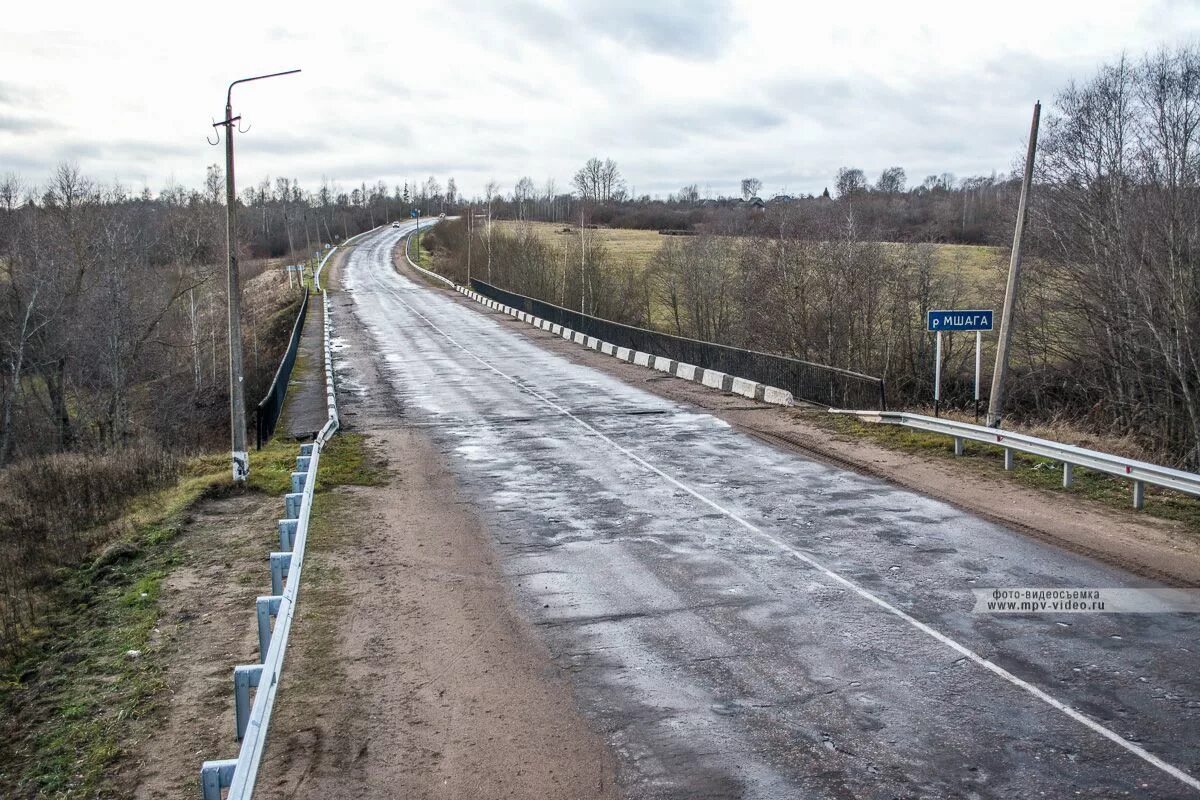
{"type": "Point", "coordinates": [395, 224]}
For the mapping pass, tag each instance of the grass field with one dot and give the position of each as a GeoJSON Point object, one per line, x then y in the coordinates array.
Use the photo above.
{"type": "Point", "coordinates": [982, 269]}
{"type": "Point", "coordinates": [635, 247]}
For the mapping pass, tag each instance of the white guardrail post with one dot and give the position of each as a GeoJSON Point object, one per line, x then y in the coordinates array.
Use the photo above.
{"type": "Point", "coordinates": [262, 679]}
{"type": "Point", "coordinates": [1140, 472]}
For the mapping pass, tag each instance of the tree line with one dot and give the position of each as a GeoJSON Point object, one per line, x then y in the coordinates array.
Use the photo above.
{"type": "Point", "coordinates": [112, 304]}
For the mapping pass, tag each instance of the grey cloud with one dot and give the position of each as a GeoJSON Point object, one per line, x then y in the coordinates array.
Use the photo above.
{"type": "Point", "coordinates": [283, 144]}
{"type": "Point", "coordinates": [26, 125]}
{"type": "Point", "coordinates": [693, 29]}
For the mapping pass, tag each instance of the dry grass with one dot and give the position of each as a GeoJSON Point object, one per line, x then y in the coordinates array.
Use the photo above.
{"type": "Point", "coordinates": [56, 511]}
{"type": "Point", "coordinates": [625, 245]}
{"type": "Point", "coordinates": [983, 269]}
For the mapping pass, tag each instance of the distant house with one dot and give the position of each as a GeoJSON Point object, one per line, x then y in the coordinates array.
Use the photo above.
{"type": "Point", "coordinates": [756, 202]}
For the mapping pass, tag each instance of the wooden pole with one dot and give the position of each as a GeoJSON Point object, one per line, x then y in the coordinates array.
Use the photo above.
{"type": "Point", "coordinates": [237, 402]}
{"type": "Point", "coordinates": [996, 400]}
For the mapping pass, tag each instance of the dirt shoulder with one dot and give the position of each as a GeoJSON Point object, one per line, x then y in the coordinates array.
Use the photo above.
{"type": "Point", "coordinates": [1153, 547]}
{"type": "Point", "coordinates": [206, 628]}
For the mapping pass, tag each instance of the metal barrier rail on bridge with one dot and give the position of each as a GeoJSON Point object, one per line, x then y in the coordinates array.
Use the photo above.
{"type": "Point", "coordinates": [814, 383]}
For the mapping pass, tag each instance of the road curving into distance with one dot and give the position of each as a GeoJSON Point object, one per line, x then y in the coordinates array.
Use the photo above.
{"type": "Point", "coordinates": [740, 621]}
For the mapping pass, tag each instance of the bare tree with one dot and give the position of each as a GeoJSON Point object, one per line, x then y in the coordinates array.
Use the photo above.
{"type": "Point", "coordinates": [523, 192]}
{"type": "Point", "coordinates": [599, 181]}
{"type": "Point", "coordinates": [589, 180]}
{"type": "Point", "coordinates": [750, 188]}
{"type": "Point", "coordinates": [850, 181]}
{"type": "Point", "coordinates": [891, 181]}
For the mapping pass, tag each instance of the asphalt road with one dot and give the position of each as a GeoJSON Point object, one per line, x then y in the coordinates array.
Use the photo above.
{"type": "Point", "coordinates": [740, 621]}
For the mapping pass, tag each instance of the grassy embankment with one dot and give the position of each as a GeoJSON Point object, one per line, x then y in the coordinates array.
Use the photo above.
{"type": "Point", "coordinates": [91, 677]}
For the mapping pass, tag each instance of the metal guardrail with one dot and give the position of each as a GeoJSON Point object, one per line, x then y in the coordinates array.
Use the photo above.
{"type": "Point", "coordinates": [808, 381]}
{"type": "Point", "coordinates": [418, 267]}
{"type": "Point", "coordinates": [253, 719]}
{"type": "Point", "coordinates": [1140, 472]}
{"type": "Point", "coordinates": [266, 413]}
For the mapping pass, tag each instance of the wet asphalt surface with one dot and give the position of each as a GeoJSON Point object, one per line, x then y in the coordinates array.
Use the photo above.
{"type": "Point", "coordinates": [740, 621]}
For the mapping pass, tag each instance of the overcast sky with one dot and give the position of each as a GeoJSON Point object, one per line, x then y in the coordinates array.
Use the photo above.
{"type": "Point", "coordinates": [705, 91]}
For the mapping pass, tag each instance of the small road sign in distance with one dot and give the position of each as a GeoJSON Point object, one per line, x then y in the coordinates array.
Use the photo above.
{"type": "Point", "coordinates": [973, 320]}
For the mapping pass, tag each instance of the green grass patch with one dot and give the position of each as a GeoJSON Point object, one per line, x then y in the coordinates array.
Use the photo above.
{"type": "Point", "coordinates": [1028, 470]}
{"type": "Point", "coordinates": [344, 462]}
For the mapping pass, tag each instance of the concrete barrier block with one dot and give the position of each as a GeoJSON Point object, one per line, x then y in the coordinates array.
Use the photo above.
{"type": "Point", "coordinates": [642, 359]}
{"type": "Point", "coordinates": [624, 353]}
{"type": "Point", "coordinates": [663, 364]}
{"type": "Point", "coordinates": [556, 329]}
{"type": "Point", "coordinates": [607, 348]}
{"type": "Point", "coordinates": [717, 380]}
{"type": "Point", "coordinates": [578, 338]}
{"type": "Point", "coordinates": [745, 387]}
{"type": "Point", "coordinates": [779, 397]}
{"type": "Point", "coordinates": [567, 333]}
{"type": "Point", "coordinates": [593, 343]}
{"type": "Point", "coordinates": [686, 371]}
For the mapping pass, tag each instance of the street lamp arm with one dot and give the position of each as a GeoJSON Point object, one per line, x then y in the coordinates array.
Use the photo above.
{"type": "Point", "coordinates": [229, 92]}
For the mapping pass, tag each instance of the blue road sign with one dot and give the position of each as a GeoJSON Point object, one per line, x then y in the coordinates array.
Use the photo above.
{"type": "Point", "coordinates": [413, 213]}
{"type": "Point", "coordinates": [974, 320]}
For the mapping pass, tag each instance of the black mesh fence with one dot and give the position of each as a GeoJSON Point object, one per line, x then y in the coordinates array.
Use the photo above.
{"type": "Point", "coordinates": [266, 416]}
{"type": "Point", "coordinates": [814, 383]}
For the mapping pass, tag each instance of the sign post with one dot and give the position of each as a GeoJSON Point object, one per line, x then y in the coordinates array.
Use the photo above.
{"type": "Point", "coordinates": [968, 320]}
{"type": "Point", "coordinates": [978, 350]}
{"type": "Point", "coordinates": [416, 214]}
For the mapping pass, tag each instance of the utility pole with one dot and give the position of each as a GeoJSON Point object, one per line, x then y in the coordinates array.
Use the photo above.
{"type": "Point", "coordinates": [308, 251]}
{"type": "Point", "coordinates": [996, 400]}
{"type": "Point", "coordinates": [470, 214]}
{"type": "Point", "coordinates": [582, 263]}
{"type": "Point", "coordinates": [237, 388]}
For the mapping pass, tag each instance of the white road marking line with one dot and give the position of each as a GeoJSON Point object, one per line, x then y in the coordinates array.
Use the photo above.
{"type": "Point", "coordinates": [961, 649]}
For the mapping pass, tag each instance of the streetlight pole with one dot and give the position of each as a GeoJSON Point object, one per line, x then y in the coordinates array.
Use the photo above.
{"type": "Point", "coordinates": [237, 389]}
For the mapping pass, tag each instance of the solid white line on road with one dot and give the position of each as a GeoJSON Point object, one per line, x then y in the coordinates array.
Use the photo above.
{"type": "Point", "coordinates": [961, 649]}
